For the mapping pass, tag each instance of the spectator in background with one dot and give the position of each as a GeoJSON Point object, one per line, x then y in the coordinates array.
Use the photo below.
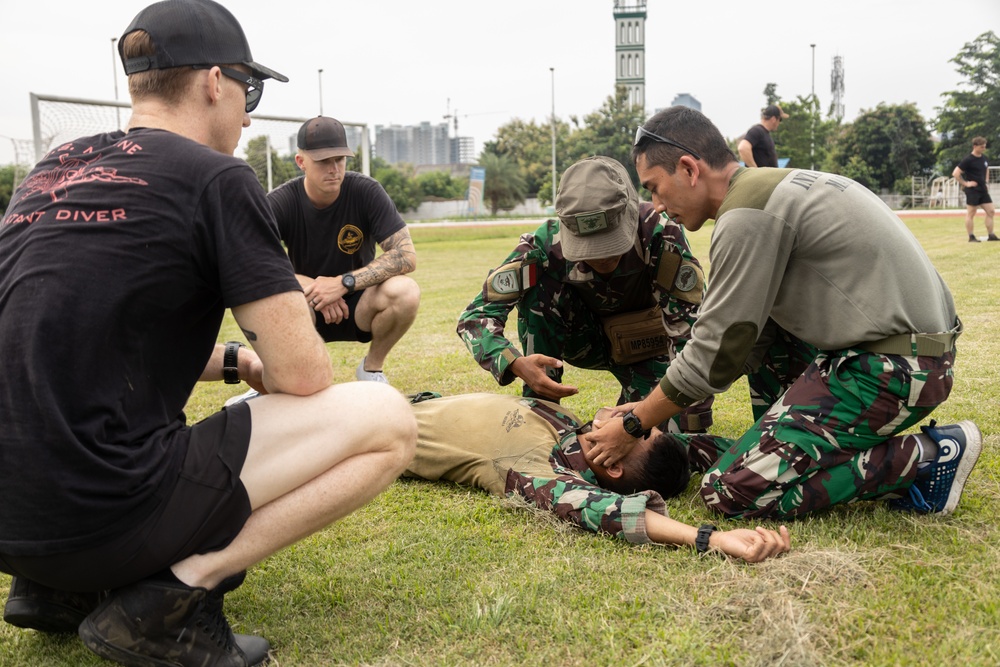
{"type": "Point", "coordinates": [971, 174]}
{"type": "Point", "coordinates": [757, 146]}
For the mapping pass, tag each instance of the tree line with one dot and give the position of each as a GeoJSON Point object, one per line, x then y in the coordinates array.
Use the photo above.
{"type": "Point", "coordinates": [883, 148]}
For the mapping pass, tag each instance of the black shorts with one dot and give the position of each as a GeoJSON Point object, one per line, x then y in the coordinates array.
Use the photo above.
{"type": "Point", "coordinates": [205, 511]}
{"type": "Point", "coordinates": [346, 329]}
{"type": "Point", "coordinates": [977, 198]}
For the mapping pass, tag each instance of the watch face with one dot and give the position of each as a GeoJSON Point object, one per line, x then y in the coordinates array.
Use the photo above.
{"type": "Point", "coordinates": [347, 280]}
{"type": "Point", "coordinates": [632, 424]}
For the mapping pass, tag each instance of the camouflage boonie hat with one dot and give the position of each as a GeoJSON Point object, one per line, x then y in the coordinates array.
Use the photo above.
{"type": "Point", "coordinates": [598, 210]}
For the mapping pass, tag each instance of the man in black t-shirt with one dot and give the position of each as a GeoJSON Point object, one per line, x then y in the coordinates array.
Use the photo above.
{"type": "Point", "coordinates": [757, 146]}
{"type": "Point", "coordinates": [119, 255]}
{"type": "Point", "coordinates": [330, 219]}
{"type": "Point", "coordinates": [971, 174]}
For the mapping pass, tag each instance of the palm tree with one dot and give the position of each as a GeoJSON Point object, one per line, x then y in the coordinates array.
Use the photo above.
{"type": "Point", "coordinates": [504, 187]}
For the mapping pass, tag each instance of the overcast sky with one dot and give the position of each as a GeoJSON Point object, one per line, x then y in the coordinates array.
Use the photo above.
{"type": "Point", "coordinates": [407, 61]}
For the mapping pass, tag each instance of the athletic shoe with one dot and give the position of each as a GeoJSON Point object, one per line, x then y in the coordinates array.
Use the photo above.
{"type": "Point", "coordinates": [939, 485]}
{"type": "Point", "coordinates": [993, 237]}
{"type": "Point", "coordinates": [251, 393]}
{"type": "Point", "coordinates": [369, 376]}
{"type": "Point", "coordinates": [167, 623]}
{"type": "Point", "coordinates": [973, 239]}
{"type": "Point", "coordinates": [36, 607]}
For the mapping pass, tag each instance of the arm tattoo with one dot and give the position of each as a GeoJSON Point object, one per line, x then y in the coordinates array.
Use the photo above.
{"type": "Point", "coordinates": [251, 336]}
{"type": "Point", "coordinates": [398, 258]}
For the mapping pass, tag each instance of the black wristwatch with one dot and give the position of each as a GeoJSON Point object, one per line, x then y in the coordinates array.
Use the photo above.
{"type": "Point", "coordinates": [704, 532]}
{"type": "Point", "coordinates": [347, 280]}
{"type": "Point", "coordinates": [230, 365]}
{"type": "Point", "coordinates": [633, 425]}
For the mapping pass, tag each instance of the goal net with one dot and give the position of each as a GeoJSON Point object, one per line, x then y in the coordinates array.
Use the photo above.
{"type": "Point", "coordinates": [56, 120]}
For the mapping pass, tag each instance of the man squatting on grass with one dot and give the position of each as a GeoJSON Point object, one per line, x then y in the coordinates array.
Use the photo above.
{"type": "Point", "coordinates": [535, 450]}
{"type": "Point", "coordinates": [611, 285]}
{"type": "Point", "coordinates": [118, 257]}
{"type": "Point", "coordinates": [814, 270]}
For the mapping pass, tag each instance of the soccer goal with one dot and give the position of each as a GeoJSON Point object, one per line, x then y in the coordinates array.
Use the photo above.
{"type": "Point", "coordinates": [56, 120]}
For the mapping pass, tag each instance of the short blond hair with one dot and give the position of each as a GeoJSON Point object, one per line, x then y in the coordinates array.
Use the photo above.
{"type": "Point", "coordinates": [168, 85]}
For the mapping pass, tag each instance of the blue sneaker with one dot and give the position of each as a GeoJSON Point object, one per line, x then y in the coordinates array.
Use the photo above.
{"type": "Point", "coordinates": [939, 485]}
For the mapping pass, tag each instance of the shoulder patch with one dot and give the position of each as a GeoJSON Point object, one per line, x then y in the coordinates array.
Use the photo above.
{"type": "Point", "coordinates": [508, 282]}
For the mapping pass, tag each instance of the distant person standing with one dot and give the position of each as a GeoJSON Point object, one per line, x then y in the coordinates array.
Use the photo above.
{"type": "Point", "coordinates": [971, 175]}
{"type": "Point", "coordinates": [757, 146]}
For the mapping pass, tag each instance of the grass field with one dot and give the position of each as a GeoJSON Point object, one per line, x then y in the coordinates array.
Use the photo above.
{"type": "Point", "coordinates": [430, 574]}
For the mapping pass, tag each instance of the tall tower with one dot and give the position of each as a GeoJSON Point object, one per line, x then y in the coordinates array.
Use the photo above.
{"type": "Point", "coordinates": [630, 49]}
{"type": "Point", "coordinates": [837, 88]}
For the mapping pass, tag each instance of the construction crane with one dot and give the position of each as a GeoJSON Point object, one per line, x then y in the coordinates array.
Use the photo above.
{"type": "Point", "coordinates": [453, 115]}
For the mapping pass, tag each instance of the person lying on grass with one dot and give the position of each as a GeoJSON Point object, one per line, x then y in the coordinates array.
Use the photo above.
{"type": "Point", "coordinates": [534, 449]}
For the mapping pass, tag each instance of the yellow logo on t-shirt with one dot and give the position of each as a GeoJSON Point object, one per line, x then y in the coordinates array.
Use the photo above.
{"type": "Point", "coordinates": [350, 239]}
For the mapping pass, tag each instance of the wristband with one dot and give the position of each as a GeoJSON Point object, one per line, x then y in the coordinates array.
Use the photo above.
{"type": "Point", "coordinates": [701, 542]}
{"type": "Point", "coordinates": [230, 366]}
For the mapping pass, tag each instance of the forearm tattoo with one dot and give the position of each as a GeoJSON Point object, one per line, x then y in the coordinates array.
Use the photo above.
{"type": "Point", "coordinates": [398, 258]}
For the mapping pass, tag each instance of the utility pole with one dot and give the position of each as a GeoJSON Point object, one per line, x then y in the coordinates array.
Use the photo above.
{"type": "Point", "coordinates": [114, 76]}
{"type": "Point", "coordinates": [320, 73]}
{"type": "Point", "coordinates": [553, 123]}
{"type": "Point", "coordinates": [813, 107]}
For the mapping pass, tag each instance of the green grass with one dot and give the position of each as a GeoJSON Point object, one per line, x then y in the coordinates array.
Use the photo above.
{"type": "Point", "coordinates": [430, 574]}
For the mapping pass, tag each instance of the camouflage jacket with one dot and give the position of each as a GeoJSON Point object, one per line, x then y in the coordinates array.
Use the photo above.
{"type": "Point", "coordinates": [572, 492]}
{"type": "Point", "coordinates": [666, 264]}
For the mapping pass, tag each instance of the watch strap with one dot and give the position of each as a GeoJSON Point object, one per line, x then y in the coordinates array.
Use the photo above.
{"type": "Point", "coordinates": [230, 362]}
{"type": "Point", "coordinates": [701, 541]}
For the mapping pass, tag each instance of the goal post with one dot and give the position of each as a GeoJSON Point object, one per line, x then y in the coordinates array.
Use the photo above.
{"type": "Point", "coordinates": [56, 120]}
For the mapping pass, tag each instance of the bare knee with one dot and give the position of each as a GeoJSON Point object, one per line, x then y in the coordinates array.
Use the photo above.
{"type": "Point", "coordinates": [394, 421]}
{"type": "Point", "coordinates": [403, 293]}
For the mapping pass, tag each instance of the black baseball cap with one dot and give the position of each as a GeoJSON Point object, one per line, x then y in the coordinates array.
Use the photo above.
{"type": "Point", "coordinates": [323, 137]}
{"type": "Point", "coordinates": [773, 111]}
{"type": "Point", "coordinates": [192, 32]}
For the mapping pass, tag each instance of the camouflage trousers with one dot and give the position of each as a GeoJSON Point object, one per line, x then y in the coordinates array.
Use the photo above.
{"type": "Point", "coordinates": [553, 320]}
{"type": "Point", "coordinates": [832, 437]}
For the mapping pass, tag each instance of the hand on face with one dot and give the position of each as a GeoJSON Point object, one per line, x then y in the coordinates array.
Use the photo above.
{"type": "Point", "coordinates": [610, 443]}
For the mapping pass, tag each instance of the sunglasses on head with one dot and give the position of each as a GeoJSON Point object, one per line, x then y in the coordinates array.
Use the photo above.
{"type": "Point", "coordinates": [642, 133]}
{"type": "Point", "coordinates": [255, 87]}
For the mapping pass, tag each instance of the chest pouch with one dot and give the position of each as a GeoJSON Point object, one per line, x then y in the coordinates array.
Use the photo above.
{"type": "Point", "coordinates": [636, 336]}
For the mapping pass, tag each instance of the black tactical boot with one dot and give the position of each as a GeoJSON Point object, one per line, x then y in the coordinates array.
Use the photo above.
{"type": "Point", "coordinates": [31, 605]}
{"type": "Point", "coordinates": [163, 623]}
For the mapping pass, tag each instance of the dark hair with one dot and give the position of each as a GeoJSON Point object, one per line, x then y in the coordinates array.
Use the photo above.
{"type": "Point", "coordinates": [665, 470]}
{"type": "Point", "coordinates": [690, 128]}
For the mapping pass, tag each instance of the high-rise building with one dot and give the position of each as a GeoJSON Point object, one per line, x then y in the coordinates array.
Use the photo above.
{"type": "Point", "coordinates": [630, 49]}
{"type": "Point", "coordinates": [686, 100]}
{"type": "Point", "coordinates": [421, 144]}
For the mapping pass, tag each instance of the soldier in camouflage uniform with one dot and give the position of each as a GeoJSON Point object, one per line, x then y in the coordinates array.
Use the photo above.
{"type": "Point", "coordinates": [569, 282]}
{"type": "Point", "coordinates": [534, 449]}
{"type": "Point", "coordinates": [821, 294]}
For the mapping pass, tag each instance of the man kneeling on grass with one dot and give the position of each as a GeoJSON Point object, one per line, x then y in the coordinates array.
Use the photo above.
{"type": "Point", "coordinates": [534, 449]}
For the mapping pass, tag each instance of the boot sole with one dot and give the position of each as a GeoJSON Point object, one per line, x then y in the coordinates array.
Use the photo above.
{"type": "Point", "coordinates": [973, 448]}
{"type": "Point", "coordinates": [44, 617]}
{"type": "Point", "coordinates": [92, 640]}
